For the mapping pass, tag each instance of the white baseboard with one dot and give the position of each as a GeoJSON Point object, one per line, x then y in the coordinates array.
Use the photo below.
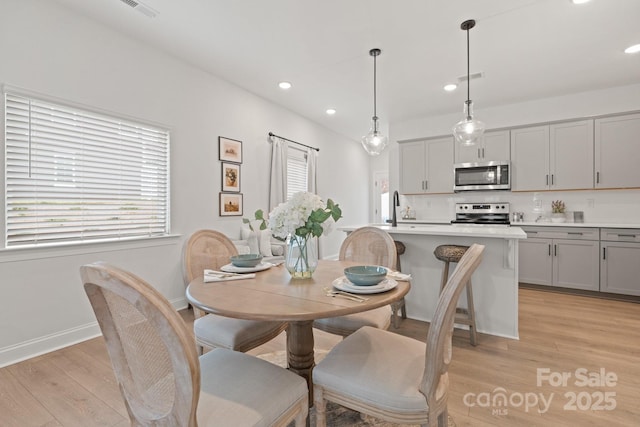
{"type": "Point", "coordinates": [52, 342]}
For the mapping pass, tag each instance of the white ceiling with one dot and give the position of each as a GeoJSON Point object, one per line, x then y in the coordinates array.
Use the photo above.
{"type": "Point", "coordinates": [526, 49]}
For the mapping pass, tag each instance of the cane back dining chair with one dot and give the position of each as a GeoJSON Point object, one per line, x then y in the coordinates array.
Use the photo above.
{"type": "Point", "coordinates": [210, 249]}
{"type": "Point", "coordinates": [392, 377]}
{"type": "Point", "coordinates": [163, 381]}
{"type": "Point", "coordinates": [372, 246]}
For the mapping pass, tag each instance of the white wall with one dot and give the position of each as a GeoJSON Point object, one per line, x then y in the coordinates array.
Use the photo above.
{"type": "Point", "coordinates": [47, 49]}
{"type": "Point", "coordinates": [602, 205]}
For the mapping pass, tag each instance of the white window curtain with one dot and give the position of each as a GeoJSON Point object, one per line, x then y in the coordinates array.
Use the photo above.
{"type": "Point", "coordinates": [312, 162]}
{"type": "Point", "coordinates": [73, 175]}
{"type": "Point", "coordinates": [278, 179]}
{"type": "Point", "coordinates": [293, 169]}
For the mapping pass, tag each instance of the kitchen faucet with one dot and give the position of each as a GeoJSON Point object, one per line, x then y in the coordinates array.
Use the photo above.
{"type": "Point", "coordinates": [396, 202]}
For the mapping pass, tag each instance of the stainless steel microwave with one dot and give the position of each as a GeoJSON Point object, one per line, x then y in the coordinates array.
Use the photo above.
{"type": "Point", "coordinates": [482, 176]}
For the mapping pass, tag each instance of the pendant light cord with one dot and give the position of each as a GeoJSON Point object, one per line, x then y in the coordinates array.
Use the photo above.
{"type": "Point", "coordinates": [375, 114]}
{"type": "Point", "coordinates": [468, 72]}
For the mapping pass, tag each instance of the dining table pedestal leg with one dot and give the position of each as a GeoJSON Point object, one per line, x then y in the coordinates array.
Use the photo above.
{"type": "Point", "coordinates": [300, 351]}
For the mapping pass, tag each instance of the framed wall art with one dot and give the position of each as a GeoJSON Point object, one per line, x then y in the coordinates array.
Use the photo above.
{"type": "Point", "coordinates": [230, 177]}
{"type": "Point", "coordinates": [230, 204]}
{"type": "Point", "coordinates": [229, 150]}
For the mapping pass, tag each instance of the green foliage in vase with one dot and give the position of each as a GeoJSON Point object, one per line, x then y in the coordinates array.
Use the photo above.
{"type": "Point", "coordinates": [304, 215]}
{"type": "Point", "coordinates": [258, 216]}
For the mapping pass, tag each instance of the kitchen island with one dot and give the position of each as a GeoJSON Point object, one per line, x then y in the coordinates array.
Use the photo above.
{"type": "Point", "coordinates": [495, 282]}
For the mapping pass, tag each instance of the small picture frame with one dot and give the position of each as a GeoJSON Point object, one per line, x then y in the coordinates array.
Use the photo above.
{"type": "Point", "coordinates": [229, 150]}
{"type": "Point", "coordinates": [230, 204]}
{"type": "Point", "coordinates": [230, 177]}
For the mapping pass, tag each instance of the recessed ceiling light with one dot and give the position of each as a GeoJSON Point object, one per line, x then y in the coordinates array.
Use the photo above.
{"type": "Point", "coordinates": [633, 49]}
{"type": "Point", "coordinates": [331, 111]}
{"type": "Point", "coordinates": [284, 85]}
{"type": "Point", "coordinates": [579, 1]}
{"type": "Point", "coordinates": [450, 87]}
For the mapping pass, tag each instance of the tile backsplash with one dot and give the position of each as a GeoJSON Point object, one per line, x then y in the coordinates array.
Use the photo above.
{"type": "Point", "coordinates": [613, 206]}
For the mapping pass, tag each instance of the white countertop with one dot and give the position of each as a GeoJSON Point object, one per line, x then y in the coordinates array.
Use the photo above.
{"type": "Point", "coordinates": [602, 224]}
{"type": "Point", "coordinates": [497, 232]}
{"type": "Point", "coordinates": [577, 224]}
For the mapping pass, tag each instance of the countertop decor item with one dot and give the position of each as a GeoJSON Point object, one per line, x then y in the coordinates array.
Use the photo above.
{"type": "Point", "coordinates": [468, 130]}
{"type": "Point", "coordinates": [374, 142]}
{"type": "Point", "coordinates": [558, 211]}
{"type": "Point", "coordinates": [557, 206]}
{"type": "Point", "coordinates": [301, 220]}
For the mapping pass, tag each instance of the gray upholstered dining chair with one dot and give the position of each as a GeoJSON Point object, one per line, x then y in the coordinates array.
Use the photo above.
{"type": "Point", "coordinates": [372, 246]}
{"type": "Point", "coordinates": [393, 377]}
{"type": "Point", "coordinates": [163, 381]}
{"type": "Point", "coordinates": [210, 249]}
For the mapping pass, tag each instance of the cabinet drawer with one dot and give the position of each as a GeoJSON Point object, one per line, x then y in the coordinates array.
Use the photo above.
{"type": "Point", "coordinates": [620, 234]}
{"type": "Point", "coordinates": [567, 233]}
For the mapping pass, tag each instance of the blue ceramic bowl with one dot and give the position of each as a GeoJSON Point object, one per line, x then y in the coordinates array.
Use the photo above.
{"type": "Point", "coordinates": [246, 260]}
{"type": "Point", "coordinates": [365, 275]}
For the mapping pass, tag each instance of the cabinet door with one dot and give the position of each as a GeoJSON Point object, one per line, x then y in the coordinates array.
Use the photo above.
{"type": "Point", "coordinates": [412, 167]}
{"type": "Point", "coordinates": [617, 151]}
{"type": "Point", "coordinates": [620, 268]}
{"type": "Point", "coordinates": [575, 264]}
{"type": "Point", "coordinates": [571, 155]}
{"type": "Point", "coordinates": [530, 158]}
{"type": "Point", "coordinates": [496, 146]}
{"type": "Point", "coordinates": [493, 146]}
{"type": "Point", "coordinates": [468, 153]}
{"type": "Point", "coordinates": [439, 161]}
{"type": "Point", "coordinates": [535, 261]}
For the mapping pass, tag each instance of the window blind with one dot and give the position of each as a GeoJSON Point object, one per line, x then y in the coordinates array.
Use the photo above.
{"type": "Point", "coordinates": [296, 171]}
{"type": "Point", "coordinates": [73, 175]}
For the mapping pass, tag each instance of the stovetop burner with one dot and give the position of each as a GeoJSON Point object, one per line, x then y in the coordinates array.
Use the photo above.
{"type": "Point", "coordinates": [482, 213]}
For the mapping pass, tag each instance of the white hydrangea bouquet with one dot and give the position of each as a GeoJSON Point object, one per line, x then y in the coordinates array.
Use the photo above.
{"type": "Point", "coordinates": [301, 219]}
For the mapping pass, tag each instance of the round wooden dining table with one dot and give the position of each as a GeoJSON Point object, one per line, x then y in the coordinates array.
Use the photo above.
{"type": "Point", "coordinates": [274, 295]}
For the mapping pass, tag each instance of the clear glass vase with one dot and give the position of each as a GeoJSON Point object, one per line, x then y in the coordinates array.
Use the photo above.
{"type": "Point", "coordinates": [302, 256]}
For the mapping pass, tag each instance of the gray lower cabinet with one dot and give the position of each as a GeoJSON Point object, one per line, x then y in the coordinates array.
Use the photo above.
{"type": "Point", "coordinates": [563, 257]}
{"type": "Point", "coordinates": [620, 261]}
{"type": "Point", "coordinates": [535, 261]}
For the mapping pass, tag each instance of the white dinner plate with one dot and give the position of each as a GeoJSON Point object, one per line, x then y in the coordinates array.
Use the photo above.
{"type": "Point", "coordinates": [230, 268]}
{"type": "Point", "coordinates": [343, 284]}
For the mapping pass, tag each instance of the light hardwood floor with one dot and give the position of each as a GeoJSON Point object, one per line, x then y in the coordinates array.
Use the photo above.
{"type": "Point", "coordinates": [558, 332]}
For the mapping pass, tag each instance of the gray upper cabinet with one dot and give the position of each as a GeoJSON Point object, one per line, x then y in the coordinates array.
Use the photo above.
{"type": "Point", "coordinates": [571, 155]}
{"type": "Point", "coordinates": [426, 166]}
{"type": "Point", "coordinates": [553, 157]}
{"type": "Point", "coordinates": [493, 146]}
{"type": "Point", "coordinates": [617, 151]}
{"type": "Point", "coordinates": [530, 158]}
{"type": "Point", "coordinates": [412, 167]}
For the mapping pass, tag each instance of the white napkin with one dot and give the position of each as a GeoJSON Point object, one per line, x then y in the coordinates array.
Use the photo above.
{"type": "Point", "coordinates": [398, 276]}
{"type": "Point", "coordinates": [210, 276]}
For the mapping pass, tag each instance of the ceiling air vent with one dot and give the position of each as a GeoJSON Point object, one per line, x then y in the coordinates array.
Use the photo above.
{"type": "Point", "coordinates": [140, 7]}
{"type": "Point", "coordinates": [461, 79]}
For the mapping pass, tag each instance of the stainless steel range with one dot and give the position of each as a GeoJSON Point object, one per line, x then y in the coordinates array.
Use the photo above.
{"type": "Point", "coordinates": [482, 213]}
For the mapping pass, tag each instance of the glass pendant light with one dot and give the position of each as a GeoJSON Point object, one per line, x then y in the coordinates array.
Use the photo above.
{"type": "Point", "coordinates": [468, 130]}
{"type": "Point", "coordinates": [374, 142]}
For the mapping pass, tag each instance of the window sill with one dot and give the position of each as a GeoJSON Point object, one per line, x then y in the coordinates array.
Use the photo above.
{"type": "Point", "coordinates": [82, 248]}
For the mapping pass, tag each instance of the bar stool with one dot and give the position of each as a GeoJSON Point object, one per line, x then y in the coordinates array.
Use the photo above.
{"type": "Point", "coordinates": [399, 305]}
{"type": "Point", "coordinates": [464, 316]}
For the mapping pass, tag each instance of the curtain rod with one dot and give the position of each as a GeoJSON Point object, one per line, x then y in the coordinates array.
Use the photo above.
{"type": "Point", "coordinates": [295, 142]}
